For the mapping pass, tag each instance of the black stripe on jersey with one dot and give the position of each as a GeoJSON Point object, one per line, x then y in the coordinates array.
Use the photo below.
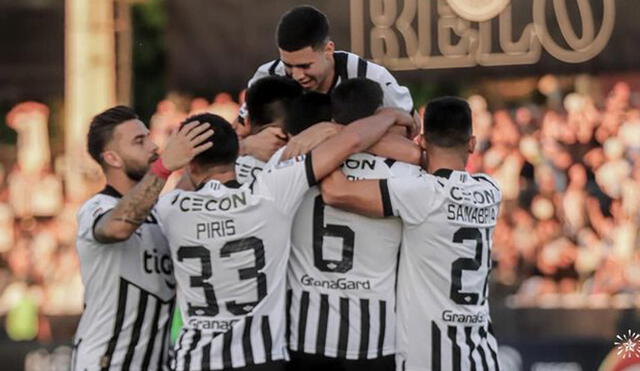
{"type": "Point", "coordinates": [340, 68]}
{"type": "Point", "coordinates": [362, 67]}
{"type": "Point", "coordinates": [152, 336]}
{"type": "Point", "coordinates": [482, 177]}
{"type": "Point", "coordinates": [483, 356]}
{"type": "Point", "coordinates": [266, 338]}
{"type": "Point", "coordinates": [302, 322]}
{"type": "Point", "coordinates": [272, 68]}
{"type": "Point", "coordinates": [165, 334]}
{"type": "Point", "coordinates": [323, 320]}
{"type": "Point", "coordinates": [387, 210]}
{"type": "Point", "coordinates": [246, 341]}
{"type": "Point", "coordinates": [192, 347]}
{"type": "Point", "coordinates": [105, 361]}
{"type": "Point", "coordinates": [364, 328]}
{"type": "Point", "coordinates": [435, 347]}
{"type": "Point", "coordinates": [343, 332]}
{"type": "Point", "coordinates": [494, 354]}
{"type": "Point", "coordinates": [177, 350]}
{"type": "Point", "coordinates": [383, 326]}
{"type": "Point", "coordinates": [288, 317]}
{"type": "Point", "coordinates": [206, 357]}
{"type": "Point", "coordinates": [452, 332]}
{"type": "Point", "coordinates": [137, 327]}
{"type": "Point", "coordinates": [471, 345]}
{"type": "Point", "coordinates": [227, 340]}
{"type": "Point", "coordinates": [308, 167]}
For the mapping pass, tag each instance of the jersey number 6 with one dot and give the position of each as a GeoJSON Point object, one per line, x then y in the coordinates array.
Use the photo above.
{"type": "Point", "coordinates": [320, 231]}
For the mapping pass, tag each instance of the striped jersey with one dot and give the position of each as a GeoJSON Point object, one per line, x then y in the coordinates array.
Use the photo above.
{"type": "Point", "coordinates": [445, 260]}
{"type": "Point", "coordinates": [129, 294]}
{"type": "Point", "coordinates": [230, 247]}
{"type": "Point", "coordinates": [342, 272]}
{"type": "Point", "coordinates": [247, 168]}
{"type": "Point", "coordinates": [347, 66]}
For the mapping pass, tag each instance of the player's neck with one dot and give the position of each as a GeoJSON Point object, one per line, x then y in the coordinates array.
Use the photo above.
{"type": "Point", "coordinates": [220, 173]}
{"type": "Point", "coordinates": [327, 83]}
{"type": "Point", "coordinates": [120, 182]}
{"type": "Point", "coordinates": [444, 158]}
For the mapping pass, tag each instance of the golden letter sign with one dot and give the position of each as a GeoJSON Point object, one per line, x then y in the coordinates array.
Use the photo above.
{"type": "Point", "coordinates": [470, 22]}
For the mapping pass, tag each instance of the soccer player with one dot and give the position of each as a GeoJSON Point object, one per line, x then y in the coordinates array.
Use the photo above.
{"type": "Point", "coordinates": [230, 246]}
{"type": "Point", "coordinates": [308, 55]}
{"type": "Point", "coordinates": [448, 219]}
{"type": "Point", "coordinates": [268, 101]}
{"type": "Point", "coordinates": [124, 259]}
{"type": "Point", "coordinates": [342, 271]}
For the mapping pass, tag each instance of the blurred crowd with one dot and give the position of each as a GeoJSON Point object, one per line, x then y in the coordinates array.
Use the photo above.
{"type": "Point", "coordinates": [567, 234]}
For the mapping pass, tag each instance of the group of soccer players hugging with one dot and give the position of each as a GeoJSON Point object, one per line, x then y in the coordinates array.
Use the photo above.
{"type": "Point", "coordinates": [361, 244]}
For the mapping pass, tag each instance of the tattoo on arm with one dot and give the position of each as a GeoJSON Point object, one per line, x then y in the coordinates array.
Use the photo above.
{"type": "Point", "coordinates": [131, 210]}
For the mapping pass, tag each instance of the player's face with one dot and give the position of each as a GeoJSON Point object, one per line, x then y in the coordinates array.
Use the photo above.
{"type": "Point", "coordinates": [310, 68]}
{"type": "Point", "coordinates": [132, 149]}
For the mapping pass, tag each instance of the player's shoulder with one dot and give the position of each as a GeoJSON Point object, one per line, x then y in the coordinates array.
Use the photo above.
{"type": "Point", "coordinates": [486, 180]}
{"type": "Point", "coordinates": [270, 68]}
{"type": "Point", "coordinates": [99, 203]}
{"type": "Point", "coordinates": [167, 200]}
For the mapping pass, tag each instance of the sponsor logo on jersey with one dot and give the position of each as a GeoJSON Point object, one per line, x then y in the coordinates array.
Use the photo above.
{"type": "Point", "coordinates": [203, 323]}
{"type": "Point", "coordinates": [196, 204]}
{"type": "Point", "coordinates": [337, 284]}
{"type": "Point", "coordinates": [453, 317]}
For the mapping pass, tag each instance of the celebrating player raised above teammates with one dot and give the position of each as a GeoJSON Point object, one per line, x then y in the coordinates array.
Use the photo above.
{"type": "Point", "coordinates": [230, 245]}
{"type": "Point", "coordinates": [308, 55]}
{"type": "Point", "coordinates": [124, 258]}
{"type": "Point", "coordinates": [343, 266]}
{"type": "Point", "coordinates": [448, 219]}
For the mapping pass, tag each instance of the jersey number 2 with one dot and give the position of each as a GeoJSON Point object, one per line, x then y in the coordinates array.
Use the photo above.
{"type": "Point", "coordinates": [202, 253]}
{"type": "Point", "coordinates": [469, 264]}
{"type": "Point", "coordinates": [320, 230]}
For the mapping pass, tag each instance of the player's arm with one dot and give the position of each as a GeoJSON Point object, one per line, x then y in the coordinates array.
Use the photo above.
{"type": "Point", "coordinates": [397, 96]}
{"type": "Point", "coordinates": [363, 197]}
{"type": "Point", "coordinates": [354, 138]}
{"type": "Point", "coordinates": [309, 139]}
{"type": "Point", "coordinates": [399, 148]}
{"type": "Point", "coordinates": [119, 223]}
{"type": "Point", "coordinates": [263, 144]}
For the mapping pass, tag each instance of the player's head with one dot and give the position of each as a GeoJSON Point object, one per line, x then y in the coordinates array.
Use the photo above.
{"type": "Point", "coordinates": [306, 111]}
{"type": "Point", "coordinates": [355, 99]}
{"type": "Point", "coordinates": [447, 124]}
{"type": "Point", "coordinates": [224, 149]}
{"type": "Point", "coordinates": [268, 100]}
{"type": "Point", "coordinates": [304, 46]}
{"type": "Point", "coordinates": [120, 142]}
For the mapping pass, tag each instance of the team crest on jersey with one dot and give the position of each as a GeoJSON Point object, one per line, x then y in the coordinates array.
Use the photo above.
{"type": "Point", "coordinates": [289, 162]}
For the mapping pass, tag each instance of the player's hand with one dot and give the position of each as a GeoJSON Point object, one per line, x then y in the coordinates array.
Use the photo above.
{"type": "Point", "coordinates": [184, 144]}
{"type": "Point", "coordinates": [402, 119]}
{"type": "Point", "coordinates": [265, 143]}
{"type": "Point", "coordinates": [309, 139]}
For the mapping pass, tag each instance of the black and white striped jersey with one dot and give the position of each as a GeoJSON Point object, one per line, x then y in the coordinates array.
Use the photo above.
{"type": "Point", "coordinates": [247, 168]}
{"type": "Point", "coordinates": [342, 272]}
{"type": "Point", "coordinates": [445, 260]}
{"type": "Point", "coordinates": [129, 295]}
{"type": "Point", "coordinates": [230, 246]}
{"type": "Point", "coordinates": [348, 66]}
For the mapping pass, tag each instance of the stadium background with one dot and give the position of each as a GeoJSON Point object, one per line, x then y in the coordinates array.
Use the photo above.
{"type": "Point", "coordinates": [557, 117]}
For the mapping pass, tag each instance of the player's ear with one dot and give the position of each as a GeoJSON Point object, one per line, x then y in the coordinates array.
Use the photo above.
{"type": "Point", "coordinates": [329, 48]}
{"type": "Point", "coordinates": [423, 142]}
{"type": "Point", "coordinates": [472, 144]}
{"type": "Point", "coordinates": [112, 159]}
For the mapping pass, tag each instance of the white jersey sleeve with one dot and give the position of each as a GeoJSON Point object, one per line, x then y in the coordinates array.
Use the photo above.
{"type": "Point", "coordinates": [90, 214]}
{"type": "Point", "coordinates": [408, 197]}
{"type": "Point", "coordinates": [287, 182]}
{"type": "Point", "coordinates": [395, 95]}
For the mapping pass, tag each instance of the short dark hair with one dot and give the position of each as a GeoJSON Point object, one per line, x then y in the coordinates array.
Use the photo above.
{"type": "Point", "coordinates": [354, 99]}
{"type": "Point", "coordinates": [302, 26]}
{"type": "Point", "coordinates": [447, 122]}
{"type": "Point", "coordinates": [268, 99]}
{"type": "Point", "coordinates": [225, 146]}
{"type": "Point", "coordinates": [102, 127]}
{"type": "Point", "coordinates": [306, 111]}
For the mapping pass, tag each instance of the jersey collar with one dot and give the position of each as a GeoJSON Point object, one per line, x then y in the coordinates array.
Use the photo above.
{"type": "Point", "coordinates": [443, 173]}
{"type": "Point", "coordinates": [110, 191]}
{"type": "Point", "coordinates": [230, 184]}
